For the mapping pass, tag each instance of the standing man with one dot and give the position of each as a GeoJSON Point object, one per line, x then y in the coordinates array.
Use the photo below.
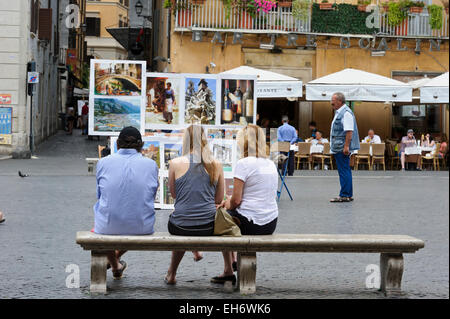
{"type": "Point", "coordinates": [126, 189]}
{"type": "Point", "coordinates": [85, 118]}
{"type": "Point", "coordinates": [344, 140]}
{"type": "Point", "coordinates": [287, 133]}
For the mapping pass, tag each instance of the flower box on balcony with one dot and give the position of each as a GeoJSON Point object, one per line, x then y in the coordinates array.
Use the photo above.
{"type": "Point", "coordinates": [285, 3]}
{"type": "Point", "coordinates": [362, 7]}
{"type": "Point", "coordinates": [326, 6]}
{"type": "Point", "coordinates": [415, 9]}
{"type": "Point", "coordinates": [198, 1]}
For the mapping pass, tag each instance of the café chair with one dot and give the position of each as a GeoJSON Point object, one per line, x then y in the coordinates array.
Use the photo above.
{"type": "Point", "coordinates": [303, 153]}
{"type": "Point", "coordinates": [378, 154]}
{"type": "Point", "coordinates": [433, 158]}
{"type": "Point", "coordinates": [363, 155]}
{"type": "Point", "coordinates": [326, 155]}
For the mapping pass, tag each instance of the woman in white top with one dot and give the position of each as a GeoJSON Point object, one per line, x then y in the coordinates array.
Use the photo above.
{"type": "Point", "coordinates": [253, 201]}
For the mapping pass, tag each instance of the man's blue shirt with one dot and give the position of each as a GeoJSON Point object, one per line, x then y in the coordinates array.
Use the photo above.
{"type": "Point", "coordinates": [287, 133]}
{"type": "Point", "coordinates": [126, 188]}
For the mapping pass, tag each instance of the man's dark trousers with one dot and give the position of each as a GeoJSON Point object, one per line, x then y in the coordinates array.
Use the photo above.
{"type": "Point", "coordinates": [345, 174]}
{"type": "Point", "coordinates": [291, 165]}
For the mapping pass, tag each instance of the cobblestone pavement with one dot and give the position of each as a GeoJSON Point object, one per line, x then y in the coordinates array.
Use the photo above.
{"type": "Point", "coordinates": [45, 210]}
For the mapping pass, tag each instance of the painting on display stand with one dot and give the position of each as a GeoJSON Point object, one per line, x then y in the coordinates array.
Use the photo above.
{"type": "Point", "coordinates": [151, 148]}
{"type": "Point", "coordinates": [164, 100]}
{"type": "Point", "coordinates": [223, 151]}
{"type": "Point", "coordinates": [171, 151]}
{"type": "Point", "coordinates": [201, 95]}
{"type": "Point", "coordinates": [238, 102]}
{"type": "Point", "coordinates": [117, 95]}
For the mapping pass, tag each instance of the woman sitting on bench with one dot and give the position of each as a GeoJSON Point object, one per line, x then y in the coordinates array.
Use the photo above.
{"type": "Point", "coordinates": [196, 183]}
{"type": "Point", "coordinates": [253, 201]}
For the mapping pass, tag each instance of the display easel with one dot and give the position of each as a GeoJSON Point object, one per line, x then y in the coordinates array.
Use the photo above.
{"type": "Point", "coordinates": [275, 148]}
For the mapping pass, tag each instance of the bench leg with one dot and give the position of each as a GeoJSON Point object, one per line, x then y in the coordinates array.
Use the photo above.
{"type": "Point", "coordinates": [391, 268]}
{"type": "Point", "coordinates": [98, 272]}
{"type": "Point", "coordinates": [247, 272]}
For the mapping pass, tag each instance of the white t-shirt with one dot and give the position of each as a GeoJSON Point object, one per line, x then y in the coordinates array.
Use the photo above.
{"type": "Point", "coordinates": [376, 139]}
{"type": "Point", "coordinates": [260, 179]}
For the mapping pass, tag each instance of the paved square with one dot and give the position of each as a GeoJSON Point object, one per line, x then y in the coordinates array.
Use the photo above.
{"type": "Point", "coordinates": [45, 210]}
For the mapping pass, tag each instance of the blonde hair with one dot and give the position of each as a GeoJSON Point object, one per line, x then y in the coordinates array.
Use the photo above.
{"type": "Point", "coordinates": [195, 143]}
{"type": "Point", "coordinates": [252, 141]}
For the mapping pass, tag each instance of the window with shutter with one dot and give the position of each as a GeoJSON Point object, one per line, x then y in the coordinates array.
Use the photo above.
{"type": "Point", "coordinates": [45, 24]}
{"type": "Point", "coordinates": [34, 15]}
{"type": "Point", "coordinates": [93, 27]}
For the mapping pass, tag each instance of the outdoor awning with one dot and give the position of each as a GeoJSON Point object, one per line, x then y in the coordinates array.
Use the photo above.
{"type": "Point", "coordinates": [435, 90]}
{"type": "Point", "coordinates": [358, 85]}
{"type": "Point", "coordinates": [271, 84]}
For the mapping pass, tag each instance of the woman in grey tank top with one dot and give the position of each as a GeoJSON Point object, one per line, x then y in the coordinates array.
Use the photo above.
{"type": "Point", "coordinates": [196, 183]}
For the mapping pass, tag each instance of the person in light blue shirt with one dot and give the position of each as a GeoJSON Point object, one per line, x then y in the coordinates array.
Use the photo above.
{"type": "Point", "coordinates": [126, 187]}
{"type": "Point", "coordinates": [288, 133]}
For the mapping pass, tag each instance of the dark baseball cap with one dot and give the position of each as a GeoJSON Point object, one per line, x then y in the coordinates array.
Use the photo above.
{"type": "Point", "coordinates": [130, 131]}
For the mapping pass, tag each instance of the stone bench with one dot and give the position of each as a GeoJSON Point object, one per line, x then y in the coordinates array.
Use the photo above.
{"type": "Point", "coordinates": [391, 248]}
{"type": "Point", "coordinates": [92, 164]}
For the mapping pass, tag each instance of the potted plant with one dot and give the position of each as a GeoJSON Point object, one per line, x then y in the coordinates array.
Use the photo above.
{"type": "Point", "coordinates": [397, 17]}
{"type": "Point", "coordinates": [436, 18]}
{"type": "Point", "coordinates": [416, 7]}
{"type": "Point", "coordinates": [324, 5]}
{"type": "Point", "coordinates": [385, 6]}
{"type": "Point", "coordinates": [285, 3]}
{"type": "Point", "coordinates": [182, 9]}
{"type": "Point", "coordinates": [300, 9]}
{"type": "Point", "coordinates": [362, 5]}
{"type": "Point", "coordinates": [247, 13]}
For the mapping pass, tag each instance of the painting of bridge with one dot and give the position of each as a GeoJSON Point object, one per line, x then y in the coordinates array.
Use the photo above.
{"type": "Point", "coordinates": [118, 79]}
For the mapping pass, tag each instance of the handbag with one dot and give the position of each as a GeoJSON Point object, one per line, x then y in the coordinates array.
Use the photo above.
{"type": "Point", "coordinates": [224, 224]}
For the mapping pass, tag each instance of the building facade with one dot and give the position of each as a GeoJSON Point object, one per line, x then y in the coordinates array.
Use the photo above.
{"type": "Point", "coordinates": [100, 15]}
{"type": "Point", "coordinates": [35, 36]}
{"type": "Point", "coordinates": [213, 36]}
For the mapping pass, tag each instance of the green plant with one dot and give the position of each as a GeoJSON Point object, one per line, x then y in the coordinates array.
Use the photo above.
{"type": "Point", "coordinates": [419, 4]}
{"type": "Point", "coordinates": [364, 2]}
{"type": "Point", "coordinates": [324, 1]}
{"type": "Point", "coordinates": [345, 19]}
{"type": "Point", "coordinates": [300, 9]}
{"type": "Point", "coordinates": [436, 19]}
{"type": "Point", "coordinates": [397, 12]}
{"type": "Point", "coordinates": [175, 6]}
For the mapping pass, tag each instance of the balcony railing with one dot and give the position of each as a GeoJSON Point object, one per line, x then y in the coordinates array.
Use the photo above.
{"type": "Point", "coordinates": [415, 25]}
{"type": "Point", "coordinates": [213, 16]}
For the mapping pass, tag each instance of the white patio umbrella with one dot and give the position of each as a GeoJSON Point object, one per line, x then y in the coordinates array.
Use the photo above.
{"type": "Point", "coordinates": [435, 90]}
{"type": "Point", "coordinates": [270, 84]}
{"type": "Point", "coordinates": [358, 85]}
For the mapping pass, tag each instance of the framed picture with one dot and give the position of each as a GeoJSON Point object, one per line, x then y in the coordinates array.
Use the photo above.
{"type": "Point", "coordinates": [164, 101]}
{"type": "Point", "coordinates": [201, 95]}
{"type": "Point", "coordinates": [223, 151]}
{"type": "Point", "coordinates": [152, 150]}
{"type": "Point", "coordinates": [118, 78]}
{"type": "Point", "coordinates": [238, 102]}
{"type": "Point", "coordinates": [117, 96]}
{"type": "Point", "coordinates": [171, 151]}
